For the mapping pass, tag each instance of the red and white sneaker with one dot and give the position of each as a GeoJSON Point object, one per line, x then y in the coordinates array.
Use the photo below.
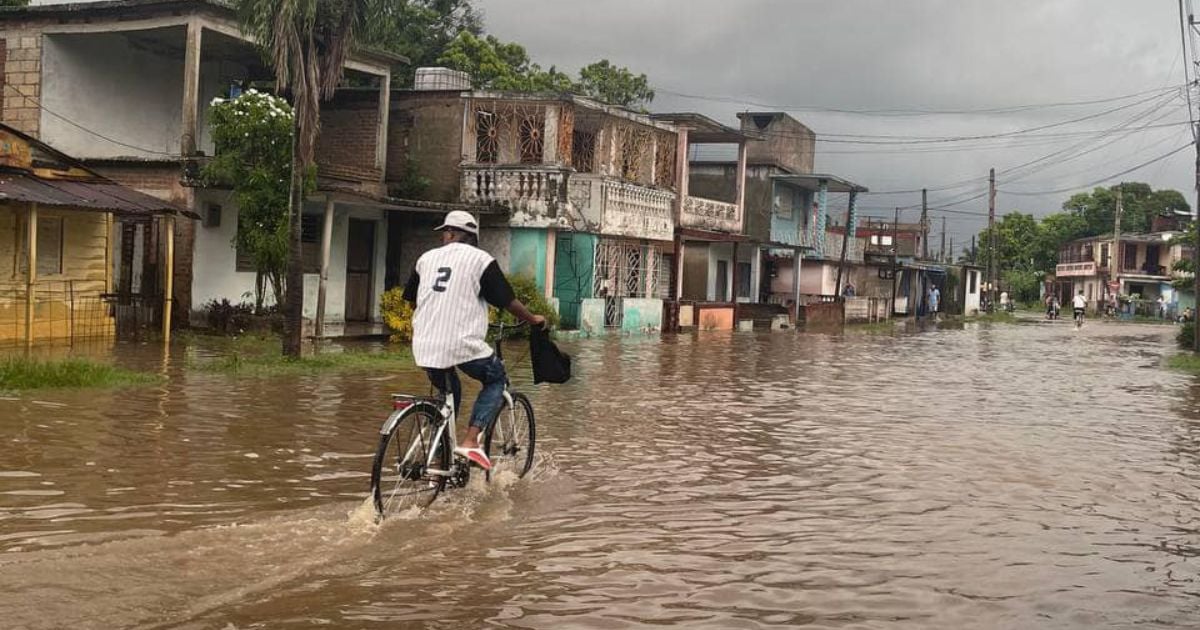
{"type": "Point", "coordinates": [476, 455]}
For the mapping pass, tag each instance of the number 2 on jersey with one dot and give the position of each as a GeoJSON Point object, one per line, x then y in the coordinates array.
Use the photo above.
{"type": "Point", "coordinates": [443, 276]}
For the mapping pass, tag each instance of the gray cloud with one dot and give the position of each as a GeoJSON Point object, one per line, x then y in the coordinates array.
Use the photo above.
{"type": "Point", "coordinates": [876, 54]}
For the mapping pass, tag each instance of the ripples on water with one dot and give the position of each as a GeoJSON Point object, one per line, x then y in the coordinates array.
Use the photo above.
{"type": "Point", "coordinates": [1006, 477]}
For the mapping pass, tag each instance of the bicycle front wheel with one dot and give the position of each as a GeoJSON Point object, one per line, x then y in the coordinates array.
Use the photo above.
{"type": "Point", "coordinates": [511, 439]}
{"type": "Point", "coordinates": [407, 463]}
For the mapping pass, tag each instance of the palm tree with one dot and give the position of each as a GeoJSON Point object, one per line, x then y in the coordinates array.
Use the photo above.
{"type": "Point", "coordinates": [307, 43]}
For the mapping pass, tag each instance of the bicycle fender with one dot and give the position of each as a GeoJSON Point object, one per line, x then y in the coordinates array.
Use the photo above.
{"type": "Point", "coordinates": [389, 425]}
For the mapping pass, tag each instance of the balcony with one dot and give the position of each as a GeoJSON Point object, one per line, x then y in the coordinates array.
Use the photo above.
{"type": "Point", "coordinates": [624, 209]}
{"type": "Point", "coordinates": [1075, 269]}
{"type": "Point", "coordinates": [716, 216]}
{"type": "Point", "coordinates": [533, 189]}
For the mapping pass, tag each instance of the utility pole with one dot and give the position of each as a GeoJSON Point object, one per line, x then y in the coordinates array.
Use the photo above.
{"type": "Point", "coordinates": [942, 255]}
{"type": "Point", "coordinates": [1190, 30]}
{"type": "Point", "coordinates": [950, 252]}
{"type": "Point", "coordinates": [974, 252]}
{"type": "Point", "coordinates": [993, 270]}
{"type": "Point", "coordinates": [1115, 261]}
{"type": "Point", "coordinates": [924, 226]}
{"type": "Point", "coordinates": [895, 255]}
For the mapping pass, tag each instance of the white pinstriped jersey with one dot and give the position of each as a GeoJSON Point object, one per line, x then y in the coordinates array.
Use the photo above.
{"type": "Point", "coordinates": [451, 318]}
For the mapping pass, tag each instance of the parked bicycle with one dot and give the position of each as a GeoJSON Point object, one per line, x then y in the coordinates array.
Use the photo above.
{"type": "Point", "coordinates": [415, 460]}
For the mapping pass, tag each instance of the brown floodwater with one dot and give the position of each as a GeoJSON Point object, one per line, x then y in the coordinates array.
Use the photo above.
{"type": "Point", "coordinates": [1009, 476]}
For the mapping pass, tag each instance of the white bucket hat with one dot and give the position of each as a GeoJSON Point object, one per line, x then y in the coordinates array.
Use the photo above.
{"type": "Point", "coordinates": [460, 220]}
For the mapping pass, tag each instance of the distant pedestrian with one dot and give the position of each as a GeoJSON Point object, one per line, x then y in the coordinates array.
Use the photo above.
{"type": "Point", "coordinates": [935, 301]}
{"type": "Point", "coordinates": [1162, 308]}
{"type": "Point", "coordinates": [848, 290]}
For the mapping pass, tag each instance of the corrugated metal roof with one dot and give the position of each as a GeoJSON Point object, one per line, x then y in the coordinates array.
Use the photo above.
{"type": "Point", "coordinates": [99, 195]}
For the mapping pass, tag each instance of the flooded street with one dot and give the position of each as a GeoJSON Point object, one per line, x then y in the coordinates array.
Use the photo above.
{"type": "Point", "coordinates": [1009, 476]}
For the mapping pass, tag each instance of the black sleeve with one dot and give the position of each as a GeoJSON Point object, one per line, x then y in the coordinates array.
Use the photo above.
{"type": "Point", "coordinates": [494, 287]}
{"type": "Point", "coordinates": [410, 289]}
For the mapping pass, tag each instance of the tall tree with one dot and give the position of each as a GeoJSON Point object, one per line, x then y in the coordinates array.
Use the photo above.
{"type": "Point", "coordinates": [1140, 205]}
{"type": "Point", "coordinates": [307, 43]}
{"type": "Point", "coordinates": [611, 84]}
{"type": "Point", "coordinates": [498, 65]}
{"type": "Point", "coordinates": [420, 30]}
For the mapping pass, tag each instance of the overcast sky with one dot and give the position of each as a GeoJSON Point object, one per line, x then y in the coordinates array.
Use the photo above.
{"type": "Point", "coordinates": [812, 56]}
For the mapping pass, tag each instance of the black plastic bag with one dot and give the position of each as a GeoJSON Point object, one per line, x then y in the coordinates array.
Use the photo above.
{"type": "Point", "coordinates": [550, 365]}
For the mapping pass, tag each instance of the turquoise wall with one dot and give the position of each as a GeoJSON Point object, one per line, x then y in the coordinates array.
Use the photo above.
{"type": "Point", "coordinates": [527, 255]}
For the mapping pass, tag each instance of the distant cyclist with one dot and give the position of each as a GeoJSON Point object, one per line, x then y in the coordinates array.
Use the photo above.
{"type": "Point", "coordinates": [451, 288]}
{"type": "Point", "coordinates": [1080, 304]}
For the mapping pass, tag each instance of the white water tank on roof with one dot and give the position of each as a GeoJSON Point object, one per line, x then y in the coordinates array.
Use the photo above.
{"type": "Point", "coordinates": [441, 79]}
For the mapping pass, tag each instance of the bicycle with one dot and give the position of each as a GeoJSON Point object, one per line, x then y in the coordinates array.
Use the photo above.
{"type": "Point", "coordinates": [1078, 318]}
{"type": "Point", "coordinates": [422, 431]}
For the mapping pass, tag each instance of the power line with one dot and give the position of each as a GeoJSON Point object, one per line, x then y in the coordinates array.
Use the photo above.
{"type": "Point", "coordinates": [36, 101]}
{"type": "Point", "coordinates": [910, 112]}
{"type": "Point", "coordinates": [1101, 180]}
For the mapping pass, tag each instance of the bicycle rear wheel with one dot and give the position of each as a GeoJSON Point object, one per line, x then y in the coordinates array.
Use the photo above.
{"type": "Point", "coordinates": [400, 476]}
{"type": "Point", "coordinates": [511, 439]}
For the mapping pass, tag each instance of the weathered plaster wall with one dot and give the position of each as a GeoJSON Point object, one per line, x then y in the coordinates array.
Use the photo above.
{"type": "Point", "coordinates": [528, 256]}
{"type": "Point", "coordinates": [129, 96]}
{"type": "Point", "coordinates": [788, 142]}
{"type": "Point", "coordinates": [426, 131]}
{"type": "Point", "coordinates": [216, 277]}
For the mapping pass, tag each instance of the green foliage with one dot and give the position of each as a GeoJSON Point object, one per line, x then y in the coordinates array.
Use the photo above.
{"type": "Point", "coordinates": [253, 134]}
{"type": "Point", "coordinates": [14, 3]}
{"type": "Point", "coordinates": [611, 84]}
{"type": "Point", "coordinates": [527, 291]}
{"type": "Point", "coordinates": [273, 363]}
{"type": "Point", "coordinates": [22, 373]}
{"type": "Point", "coordinates": [498, 65]}
{"type": "Point", "coordinates": [1027, 246]}
{"type": "Point", "coordinates": [1022, 284]}
{"type": "Point", "coordinates": [397, 314]}
{"type": "Point", "coordinates": [1186, 336]}
{"type": "Point", "coordinates": [411, 184]}
{"type": "Point", "coordinates": [1139, 204]}
{"type": "Point", "coordinates": [419, 29]}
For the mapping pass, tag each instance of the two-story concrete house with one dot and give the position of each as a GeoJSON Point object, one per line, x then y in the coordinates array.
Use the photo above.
{"type": "Point", "coordinates": [125, 85]}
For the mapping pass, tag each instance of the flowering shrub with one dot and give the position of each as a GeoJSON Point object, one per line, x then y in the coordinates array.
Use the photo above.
{"type": "Point", "coordinates": [253, 134]}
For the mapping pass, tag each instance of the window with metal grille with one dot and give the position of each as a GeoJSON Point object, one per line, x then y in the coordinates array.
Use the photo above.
{"type": "Point", "coordinates": [628, 269]}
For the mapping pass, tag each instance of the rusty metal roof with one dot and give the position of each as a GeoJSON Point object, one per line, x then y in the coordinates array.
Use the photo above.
{"type": "Point", "coordinates": [98, 195]}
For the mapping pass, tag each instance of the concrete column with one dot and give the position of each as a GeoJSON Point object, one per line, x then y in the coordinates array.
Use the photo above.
{"type": "Point", "coordinates": [322, 283]}
{"type": "Point", "coordinates": [681, 170]}
{"type": "Point", "coordinates": [756, 275]}
{"type": "Point", "coordinates": [822, 213]}
{"type": "Point", "coordinates": [550, 135]}
{"type": "Point", "coordinates": [798, 264]}
{"type": "Point", "coordinates": [740, 199]}
{"type": "Point", "coordinates": [470, 146]}
{"type": "Point", "coordinates": [385, 106]}
{"type": "Point", "coordinates": [733, 280]}
{"type": "Point", "coordinates": [31, 272]}
{"type": "Point", "coordinates": [852, 218]}
{"type": "Point", "coordinates": [551, 253]}
{"type": "Point", "coordinates": [679, 245]}
{"type": "Point", "coordinates": [168, 277]}
{"type": "Point", "coordinates": [191, 90]}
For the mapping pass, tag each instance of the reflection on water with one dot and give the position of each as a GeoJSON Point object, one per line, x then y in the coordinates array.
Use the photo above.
{"type": "Point", "coordinates": [987, 477]}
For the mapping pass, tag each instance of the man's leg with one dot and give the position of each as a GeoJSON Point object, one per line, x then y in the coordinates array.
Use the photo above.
{"type": "Point", "coordinates": [443, 379]}
{"type": "Point", "coordinates": [489, 372]}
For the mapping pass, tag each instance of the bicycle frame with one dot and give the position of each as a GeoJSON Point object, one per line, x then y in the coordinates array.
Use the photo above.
{"type": "Point", "coordinates": [449, 416]}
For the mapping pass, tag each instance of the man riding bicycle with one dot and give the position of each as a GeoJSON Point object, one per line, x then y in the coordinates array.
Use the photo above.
{"type": "Point", "coordinates": [451, 288]}
{"type": "Point", "coordinates": [1080, 303]}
